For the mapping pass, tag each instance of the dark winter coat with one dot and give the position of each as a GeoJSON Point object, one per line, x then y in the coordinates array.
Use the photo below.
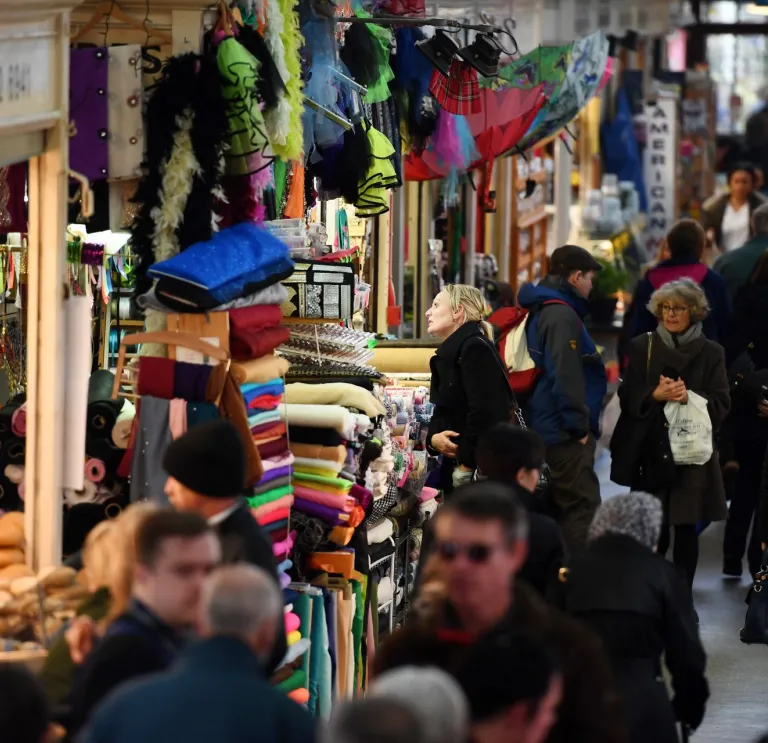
{"type": "Point", "coordinates": [469, 389]}
{"type": "Point", "coordinates": [217, 692]}
{"type": "Point", "coordinates": [763, 512]}
{"type": "Point", "coordinates": [641, 606]}
{"type": "Point", "coordinates": [697, 493]}
{"type": "Point", "coordinates": [736, 266]}
{"type": "Point", "coordinates": [713, 285]}
{"type": "Point", "coordinates": [591, 707]}
{"type": "Point", "coordinates": [568, 397]}
{"type": "Point", "coordinates": [243, 540]}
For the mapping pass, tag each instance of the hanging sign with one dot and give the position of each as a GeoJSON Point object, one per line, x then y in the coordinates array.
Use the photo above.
{"type": "Point", "coordinates": [660, 171]}
{"type": "Point", "coordinates": [27, 74]}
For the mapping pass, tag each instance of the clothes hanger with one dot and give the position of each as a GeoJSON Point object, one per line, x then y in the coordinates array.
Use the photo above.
{"type": "Point", "coordinates": [108, 9]}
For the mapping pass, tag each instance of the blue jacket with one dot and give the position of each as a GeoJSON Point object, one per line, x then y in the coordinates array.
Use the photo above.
{"type": "Point", "coordinates": [715, 326]}
{"type": "Point", "coordinates": [568, 397]}
{"type": "Point", "coordinates": [217, 692]}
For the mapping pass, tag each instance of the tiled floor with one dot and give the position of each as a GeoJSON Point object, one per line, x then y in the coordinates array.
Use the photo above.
{"type": "Point", "coordinates": [738, 673]}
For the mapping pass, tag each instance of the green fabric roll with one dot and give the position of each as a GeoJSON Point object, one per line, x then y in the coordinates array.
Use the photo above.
{"type": "Point", "coordinates": [281, 180]}
{"type": "Point", "coordinates": [357, 634]}
{"type": "Point", "coordinates": [302, 606]}
{"type": "Point", "coordinates": [254, 501]}
{"type": "Point", "coordinates": [336, 482]}
{"type": "Point", "coordinates": [297, 680]}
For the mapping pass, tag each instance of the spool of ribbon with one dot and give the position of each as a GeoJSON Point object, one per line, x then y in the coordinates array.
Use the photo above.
{"type": "Point", "coordinates": [19, 421]}
{"type": "Point", "coordinates": [89, 494]}
{"type": "Point", "coordinates": [95, 470]}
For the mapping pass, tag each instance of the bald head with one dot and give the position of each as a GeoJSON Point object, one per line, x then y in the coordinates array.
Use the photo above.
{"type": "Point", "coordinates": [243, 601]}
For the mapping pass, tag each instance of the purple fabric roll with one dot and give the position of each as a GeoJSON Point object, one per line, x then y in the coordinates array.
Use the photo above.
{"type": "Point", "coordinates": [190, 381]}
{"type": "Point", "coordinates": [275, 473]}
{"type": "Point", "coordinates": [326, 513]}
{"type": "Point", "coordinates": [361, 495]}
{"type": "Point", "coordinates": [88, 112]}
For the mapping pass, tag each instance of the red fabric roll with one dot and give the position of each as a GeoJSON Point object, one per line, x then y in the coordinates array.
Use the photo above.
{"type": "Point", "coordinates": [256, 331]}
{"type": "Point", "coordinates": [273, 448]}
{"type": "Point", "coordinates": [268, 518]}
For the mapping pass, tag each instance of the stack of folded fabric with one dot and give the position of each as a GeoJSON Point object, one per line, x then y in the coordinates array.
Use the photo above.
{"type": "Point", "coordinates": [320, 492]}
{"type": "Point", "coordinates": [256, 331]}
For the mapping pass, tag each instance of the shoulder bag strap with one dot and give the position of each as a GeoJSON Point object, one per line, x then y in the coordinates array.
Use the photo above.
{"type": "Point", "coordinates": [648, 359]}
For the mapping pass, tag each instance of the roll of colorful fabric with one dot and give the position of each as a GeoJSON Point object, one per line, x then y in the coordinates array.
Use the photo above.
{"type": "Point", "coordinates": [284, 502]}
{"type": "Point", "coordinates": [340, 502]}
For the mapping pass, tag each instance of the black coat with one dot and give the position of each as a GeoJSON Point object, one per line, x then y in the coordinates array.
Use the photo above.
{"type": "Point", "coordinates": [469, 389]}
{"type": "Point", "coordinates": [546, 549]}
{"type": "Point", "coordinates": [243, 540]}
{"type": "Point", "coordinates": [641, 606]}
{"type": "Point", "coordinates": [698, 493]}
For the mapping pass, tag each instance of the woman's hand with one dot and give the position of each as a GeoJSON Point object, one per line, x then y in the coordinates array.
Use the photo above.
{"type": "Point", "coordinates": [80, 637]}
{"type": "Point", "coordinates": [442, 442]}
{"type": "Point", "coordinates": [670, 390]}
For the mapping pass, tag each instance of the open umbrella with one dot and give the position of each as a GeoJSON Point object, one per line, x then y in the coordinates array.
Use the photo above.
{"type": "Point", "coordinates": [586, 71]}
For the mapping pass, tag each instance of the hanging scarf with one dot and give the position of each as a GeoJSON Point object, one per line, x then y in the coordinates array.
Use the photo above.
{"type": "Point", "coordinates": [677, 340]}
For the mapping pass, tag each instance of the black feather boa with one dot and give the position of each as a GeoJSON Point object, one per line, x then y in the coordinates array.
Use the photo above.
{"type": "Point", "coordinates": [189, 83]}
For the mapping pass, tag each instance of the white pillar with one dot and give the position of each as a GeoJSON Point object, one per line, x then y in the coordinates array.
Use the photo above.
{"type": "Point", "coordinates": [563, 167]}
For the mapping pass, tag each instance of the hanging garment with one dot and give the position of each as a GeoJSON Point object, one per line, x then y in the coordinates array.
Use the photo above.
{"type": "Point", "coordinates": [125, 91]}
{"type": "Point", "coordinates": [88, 112]}
{"type": "Point", "coordinates": [153, 437]}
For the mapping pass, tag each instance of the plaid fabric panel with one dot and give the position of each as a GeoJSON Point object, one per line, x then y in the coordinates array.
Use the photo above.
{"type": "Point", "coordinates": [459, 93]}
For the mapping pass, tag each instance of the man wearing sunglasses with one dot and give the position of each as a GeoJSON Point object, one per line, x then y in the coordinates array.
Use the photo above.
{"type": "Point", "coordinates": [514, 456]}
{"type": "Point", "coordinates": [481, 544]}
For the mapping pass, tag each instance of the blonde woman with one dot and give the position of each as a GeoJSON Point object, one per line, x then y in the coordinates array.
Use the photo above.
{"type": "Point", "coordinates": [469, 385]}
{"type": "Point", "coordinates": [109, 557]}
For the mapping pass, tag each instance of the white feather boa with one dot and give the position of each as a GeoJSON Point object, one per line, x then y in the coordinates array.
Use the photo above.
{"type": "Point", "coordinates": [178, 172]}
{"type": "Point", "coordinates": [278, 119]}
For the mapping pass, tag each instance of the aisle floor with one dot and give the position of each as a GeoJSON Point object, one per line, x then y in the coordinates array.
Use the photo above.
{"type": "Point", "coordinates": [738, 673]}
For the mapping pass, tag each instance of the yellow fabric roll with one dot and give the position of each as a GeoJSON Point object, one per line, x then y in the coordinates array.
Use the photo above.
{"type": "Point", "coordinates": [259, 371]}
{"type": "Point", "coordinates": [334, 393]}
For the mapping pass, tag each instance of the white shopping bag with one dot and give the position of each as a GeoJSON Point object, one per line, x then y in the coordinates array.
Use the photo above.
{"type": "Point", "coordinates": [690, 430]}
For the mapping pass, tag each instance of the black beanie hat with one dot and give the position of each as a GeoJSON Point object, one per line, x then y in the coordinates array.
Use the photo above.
{"type": "Point", "coordinates": [208, 459]}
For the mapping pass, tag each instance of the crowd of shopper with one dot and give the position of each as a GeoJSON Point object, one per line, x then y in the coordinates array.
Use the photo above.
{"type": "Point", "coordinates": [541, 613]}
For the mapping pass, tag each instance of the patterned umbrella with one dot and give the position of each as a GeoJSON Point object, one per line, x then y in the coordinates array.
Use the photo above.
{"type": "Point", "coordinates": [586, 71]}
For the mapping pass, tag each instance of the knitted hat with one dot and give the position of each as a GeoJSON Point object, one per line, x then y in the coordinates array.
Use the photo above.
{"type": "Point", "coordinates": [208, 459]}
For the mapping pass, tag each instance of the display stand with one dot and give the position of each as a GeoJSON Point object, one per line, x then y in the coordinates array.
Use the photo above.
{"type": "Point", "coordinates": [528, 246]}
{"type": "Point", "coordinates": [34, 80]}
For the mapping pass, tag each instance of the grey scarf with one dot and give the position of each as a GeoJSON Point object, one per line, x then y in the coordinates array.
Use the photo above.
{"type": "Point", "coordinates": [678, 339]}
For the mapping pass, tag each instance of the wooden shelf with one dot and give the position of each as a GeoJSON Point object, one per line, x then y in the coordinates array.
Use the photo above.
{"type": "Point", "coordinates": [128, 323]}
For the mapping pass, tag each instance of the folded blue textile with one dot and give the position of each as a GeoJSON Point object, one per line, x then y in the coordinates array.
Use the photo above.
{"type": "Point", "coordinates": [235, 262]}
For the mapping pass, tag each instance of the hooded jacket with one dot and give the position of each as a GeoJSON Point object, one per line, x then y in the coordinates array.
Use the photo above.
{"type": "Point", "coordinates": [715, 326]}
{"type": "Point", "coordinates": [568, 396]}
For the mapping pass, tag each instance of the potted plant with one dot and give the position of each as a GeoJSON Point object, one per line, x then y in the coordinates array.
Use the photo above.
{"type": "Point", "coordinates": [606, 287]}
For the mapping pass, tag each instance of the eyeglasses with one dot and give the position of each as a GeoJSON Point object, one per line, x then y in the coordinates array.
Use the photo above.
{"type": "Point", "coordinates": [476, 553]}
{"type": "Point", "coordinates": [668, 309]}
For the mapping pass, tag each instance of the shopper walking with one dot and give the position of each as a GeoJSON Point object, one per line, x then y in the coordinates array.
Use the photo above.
{"type": "Point", "coordinates": [663, 367]}
{"type": "Point", "coordinates": [469, 385]}
{"type": "Point", "coordinates": [685, 242]}
{"type": "Point", "coordinates": [219, 689]}
{"type": "Point", "coordinates": [207, 471]}
{"type": "Point", "coordinates": [738, 265]}
{"type": "Point", "coordinates": [566, 403]}
{"type": "Point", "coordinates": [746, 428]}
{"type": "Point", "coordinates": [641, 606]}
{"type": "Point", "coordinates": [514, 456]}
{"type": "Point", "coordinates": [481, 544]}
{"type": "Point", "coordinates": [726, 218]}
{"type": "Point", "coordinates": [175, 553]}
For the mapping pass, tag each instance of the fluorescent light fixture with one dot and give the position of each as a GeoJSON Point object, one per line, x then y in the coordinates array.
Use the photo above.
{"type": "Point", "coordinates": [756, 9]}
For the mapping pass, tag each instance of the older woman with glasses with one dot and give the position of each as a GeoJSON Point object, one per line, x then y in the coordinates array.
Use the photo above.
{"type": "Point", "coordinates": [663, 367]}
{"type": "Point", "coordinates": [642, 609]}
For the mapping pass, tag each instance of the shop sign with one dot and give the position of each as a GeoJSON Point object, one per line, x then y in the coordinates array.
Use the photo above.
{"type": "Point", "coordinates": [660, 170]}
{"type": "Point", "coordinates": [27, 90]}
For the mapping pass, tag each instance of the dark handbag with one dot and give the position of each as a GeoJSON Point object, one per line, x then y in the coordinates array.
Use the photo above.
{"type": "Point", "coordinates": [755, 630]}
{"type": "Point", "coordinates": [640, 451]}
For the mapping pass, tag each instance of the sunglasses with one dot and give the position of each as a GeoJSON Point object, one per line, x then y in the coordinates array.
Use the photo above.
{"type": "Point", "coordinates": [476, 553]}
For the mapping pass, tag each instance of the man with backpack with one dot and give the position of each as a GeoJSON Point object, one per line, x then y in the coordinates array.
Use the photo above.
{"type": "Point", "coordinates": [567, 396]}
